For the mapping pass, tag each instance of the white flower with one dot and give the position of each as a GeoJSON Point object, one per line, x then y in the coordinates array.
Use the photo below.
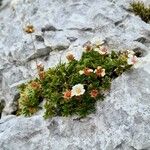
{"type": "Point", "coordinates": [40, 66]}
{"type": "Point", "coordinates": [132, 59]}
{"type": "Point", "coordinates": [102, 50]}
{"type": "Point", "coordinates": [90, 70]}
{"type": "Point", "coordinates": [86, 71]}
{"type": "Point", "coordinates": [97, 41]}
{"type": "Point", "coordinates": [81, 72]}
{"type": "Point", "coordinates": [100, 71]}
{"type": "Point", "coordinates": [70, 56]}
{"type": "Point", "coordinates": [87, 47]}
{"type": "Point", "coordinates": [77, 90]}
{"type": "Point", "coordinates": [130, 52]}
{"type": "Point", "coordinates": [39, 63]}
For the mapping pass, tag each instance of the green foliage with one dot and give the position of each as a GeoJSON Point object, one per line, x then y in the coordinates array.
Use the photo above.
{"type": "Point", "coordinates": [30, 95]}
{"type": "Point", "coordinates": [74, 87]}
{"type": "Point", "coordinates": [141, 10]}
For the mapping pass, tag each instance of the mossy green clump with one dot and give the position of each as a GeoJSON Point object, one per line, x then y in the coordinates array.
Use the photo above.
{"type": "Point", "coordinates": [74, 87]}
{"type": "Point", "coordinates": [141, 10]}
{"type": "Point", "coordinates": [30, 97]}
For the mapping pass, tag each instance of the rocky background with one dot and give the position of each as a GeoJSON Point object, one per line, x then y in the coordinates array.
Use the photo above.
{"type": "Point", "coordinates": [122, 121]}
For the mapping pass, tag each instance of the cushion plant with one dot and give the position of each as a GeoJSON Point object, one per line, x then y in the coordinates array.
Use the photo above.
{"type": "Point", "coordinates": [73, 88]}
{"type": "Point", "coordinates": [138, 8]}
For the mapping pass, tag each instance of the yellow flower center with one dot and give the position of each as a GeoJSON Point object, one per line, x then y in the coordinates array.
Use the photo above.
{"type": "Point", "coordinates": [78, 90]}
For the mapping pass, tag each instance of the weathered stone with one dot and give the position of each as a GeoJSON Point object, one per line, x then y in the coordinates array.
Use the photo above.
{"type": "Point", "coordinates": [122, 119]}
{"type": "Point", "coordinates": [39, 38]}
{"type": "Point", "coordinates": [121, 122]}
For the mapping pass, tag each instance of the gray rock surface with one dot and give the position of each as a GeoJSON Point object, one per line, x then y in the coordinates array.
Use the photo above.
{"type": "Point", "coordinates": [121, 121]}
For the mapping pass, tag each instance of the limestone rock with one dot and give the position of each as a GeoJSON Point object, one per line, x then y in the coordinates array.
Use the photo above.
{"type": "Point", "coordinates": [122, 119]}
{"type": "Point", "coordinates": [120, 123]}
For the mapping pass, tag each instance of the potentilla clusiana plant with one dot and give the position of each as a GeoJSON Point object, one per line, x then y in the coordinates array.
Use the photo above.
{"type": "Point", "coordinates": [73, 88]}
